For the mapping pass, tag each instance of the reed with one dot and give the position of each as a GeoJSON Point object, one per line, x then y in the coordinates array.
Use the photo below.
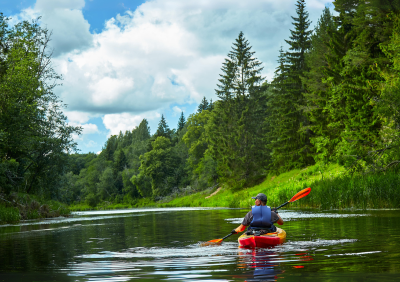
{"type": "Point", "coordinates": [331, 188]}
{"type": "Point", "coordinates": [9, 215]}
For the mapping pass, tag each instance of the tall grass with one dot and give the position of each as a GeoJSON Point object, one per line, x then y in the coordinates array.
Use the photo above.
{"type": "Point", "coordinates": [9, 215]}
{"type": "Point", "coordinates": [18, 206]}
{"type": "Point", "coordinates": [331, 188]}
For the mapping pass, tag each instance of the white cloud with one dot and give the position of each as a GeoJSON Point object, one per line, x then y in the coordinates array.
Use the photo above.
{"type": "Point", "coordinates": [126, 121]}
{"type": "Point", "coordinates": [64, 19]}
{"type": "Point", "coordinates": [170, 52]}
{"type": "Point", "coordinates": [177, 110]}
{"type": "Point", "coordinates": [77, 117]}
{"type": "Point", "coordinates": [164, 53]}
{"type": "Point", "coordinates": [89, 128]}
{"type": "Point", "coordinates": [76, 137]}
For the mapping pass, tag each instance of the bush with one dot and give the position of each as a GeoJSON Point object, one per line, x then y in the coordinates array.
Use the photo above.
{"type": "Point", "coordinates": [92, 200]}
{"type": "Point", "coordinates": [9, 215]}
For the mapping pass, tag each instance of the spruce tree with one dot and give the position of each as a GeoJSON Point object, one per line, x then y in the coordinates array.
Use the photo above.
{"type": "Point", "coordinates": [163, 129]}
{"type": "Point", "coordinates": [211, 105]}
{"type": "Point", "coordinates": [316, 95]}
{"type": "Point", "coordinates": [203, 105]}
{"type": "Point", "coordinates": [181, 122]}
{"type": "Point", "coordinates": [354, 80]}
{"type": "Point", "coordinates": [291, 147]}
{"type": "Point", "coordinates": [235, 136]}
{"type": "Point", "coordinates": [276, 121]}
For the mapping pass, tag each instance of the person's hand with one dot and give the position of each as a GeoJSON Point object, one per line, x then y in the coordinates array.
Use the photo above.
{"type": "Point", "coordinates": [233, 231]}
{"type": "Point", "coordinates": [275, 211]}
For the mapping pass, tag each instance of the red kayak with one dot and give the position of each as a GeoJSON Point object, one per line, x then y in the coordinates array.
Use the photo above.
{"type": "Point", "coordinates": [263, 241]}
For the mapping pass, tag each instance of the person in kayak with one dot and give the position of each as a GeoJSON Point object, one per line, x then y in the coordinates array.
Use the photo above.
{"type": "Point", "coordinates": [261, 216]}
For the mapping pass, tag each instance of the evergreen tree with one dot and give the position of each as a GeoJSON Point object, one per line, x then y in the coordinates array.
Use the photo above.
{"type": "Point", "coordinates": [316, 95]}
{"type": "Point", "coordinates": [291, 147]}
{"type": "Point", "coordinates": [111, 146]}
{"type": "Point", "coordinates": [236, 138]}
{"type": "Point", "coordinates": [353, 79]}
{"type": "Point", "coordinates": [211, 105]}
{"type": "Point", "coordinates": [277, 121]}
{"type": "Point", "coordinates": [203, 105]}
{"type": "Point", "coordinates": [181, 122]}
{"type": "Point", "coordinates": [120, 162]}
{"type": "Point", "coordinates": [163, 129]}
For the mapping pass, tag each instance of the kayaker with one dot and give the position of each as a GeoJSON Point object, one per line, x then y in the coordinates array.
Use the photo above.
{"type": "Point", "coordinates": [261, 216]}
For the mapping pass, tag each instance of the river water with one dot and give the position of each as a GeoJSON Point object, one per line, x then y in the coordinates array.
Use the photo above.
{"type": "Point", "coordinates": [163, 245]}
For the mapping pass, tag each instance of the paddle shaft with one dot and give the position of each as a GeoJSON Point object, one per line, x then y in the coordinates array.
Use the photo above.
{"type": "Point", "coordinates": [230, 234]}
{"type": "Point", "coordinates": [281, 206]}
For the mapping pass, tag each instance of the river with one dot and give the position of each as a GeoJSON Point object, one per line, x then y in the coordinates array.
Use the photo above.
{"type": "Point", "coordinates": [163, 245]}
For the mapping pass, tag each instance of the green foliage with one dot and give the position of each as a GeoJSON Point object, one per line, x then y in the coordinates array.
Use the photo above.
{"type": "Point", "coordinates": [181, 122]}
{"type": "Point", "coordinates": [9, 215]}
{"type": "Point", "coordinates": [200, 161]}
{"type": "Point", "coordinates": [234, 136]}
{"type": "Point", "coordinates": [290, 146]}
{"type": "Point", "coordinates": [204, 105]}
{"type": "Point", "coordinates": [159, 165]}
{"type": "Point", "coordinates": [34, 134]}
{"type": "Point", "coordinates": [18, 206]}
{"type": "Point", "coordinates": [316, 96]}
{"type": "Point", "coordinates": [163, 129]}
{"type": "Point", "coordinates": [92, 200]}
{"type": "Point", "coordinates": [334, 99]}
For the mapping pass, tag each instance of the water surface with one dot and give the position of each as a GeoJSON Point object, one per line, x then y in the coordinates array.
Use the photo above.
{"type": "Point", "coordinates": [163, 245]}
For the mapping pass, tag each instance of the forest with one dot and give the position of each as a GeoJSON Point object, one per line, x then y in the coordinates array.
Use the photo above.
{"type": "Point", "coordinates": [334, 99]}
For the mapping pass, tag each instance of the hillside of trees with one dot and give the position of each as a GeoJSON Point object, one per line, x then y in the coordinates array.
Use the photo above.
{"type": "Point", "coordinates": [335, 98]}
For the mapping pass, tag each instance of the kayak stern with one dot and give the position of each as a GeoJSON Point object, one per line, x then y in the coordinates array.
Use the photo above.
{"type": "Point", "coordinates": [262, 241]}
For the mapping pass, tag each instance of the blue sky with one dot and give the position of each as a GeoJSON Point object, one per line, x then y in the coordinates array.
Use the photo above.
{"type": "Point", "coordinates": [123, 61]}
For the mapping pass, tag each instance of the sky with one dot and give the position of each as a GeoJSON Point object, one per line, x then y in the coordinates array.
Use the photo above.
{"type": "Point", "coordinates": [126, 60]}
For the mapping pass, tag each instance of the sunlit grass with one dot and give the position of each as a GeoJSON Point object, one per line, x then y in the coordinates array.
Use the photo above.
{"type": "Point", "coordinates": [331, 188]}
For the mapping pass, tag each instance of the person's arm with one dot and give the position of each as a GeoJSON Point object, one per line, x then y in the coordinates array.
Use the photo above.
{"type": "Point", "coordinates": [276, 218]}
{"type": "Point", "coordinates": [246, 221]}
{"type": "Point", "coordinates": [280, 220]}
{"type": "Point", "coordinates": [240, 228]}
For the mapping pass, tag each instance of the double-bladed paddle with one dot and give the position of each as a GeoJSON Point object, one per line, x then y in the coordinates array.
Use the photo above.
{"type": "Point", "coordinates": [296, 197]}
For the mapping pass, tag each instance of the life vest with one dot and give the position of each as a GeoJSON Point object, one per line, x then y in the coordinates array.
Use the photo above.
{"type": "Point", "coordinates": [261, 218]}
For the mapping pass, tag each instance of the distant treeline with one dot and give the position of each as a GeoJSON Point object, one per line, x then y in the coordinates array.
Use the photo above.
{"type": "Point", "coordinates": [335, 97]}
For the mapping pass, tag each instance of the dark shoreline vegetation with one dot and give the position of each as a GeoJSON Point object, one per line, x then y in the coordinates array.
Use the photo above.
{"type": "Point", "coordinates": [329, 120]}
{"type": "Point", "coordinates": [16, 207]}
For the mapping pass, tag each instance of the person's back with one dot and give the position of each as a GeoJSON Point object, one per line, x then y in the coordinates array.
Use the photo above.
{"type": "Point", "coordinates": [261, 216]}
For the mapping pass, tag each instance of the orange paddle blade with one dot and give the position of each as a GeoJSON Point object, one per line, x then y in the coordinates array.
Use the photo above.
{"type": "Point", "coordinates": [300, 194]}
{"type": "Point", "coordinates": [212, 242]}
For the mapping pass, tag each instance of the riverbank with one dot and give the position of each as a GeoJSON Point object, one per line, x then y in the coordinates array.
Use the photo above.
{"type": "Point", "coordinates": [17, 206]}
{"type": "Point", "coordinates": [130, 203]}
{"type": "Point", "coordinates": [332, 188]}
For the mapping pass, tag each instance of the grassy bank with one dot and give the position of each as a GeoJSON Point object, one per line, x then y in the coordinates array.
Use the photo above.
{"type": "Point", "coordinates": [16, 207]}
{"type": "Point", "coordinates": [331, 189]}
